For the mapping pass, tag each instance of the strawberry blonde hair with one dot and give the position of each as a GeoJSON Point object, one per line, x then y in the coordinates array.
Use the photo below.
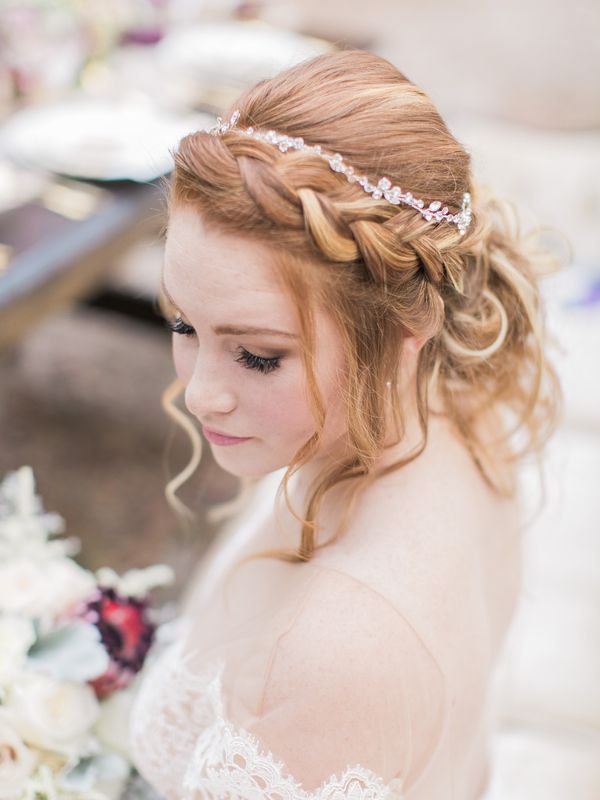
{"type": "Point", "coordinates": [381, 271]}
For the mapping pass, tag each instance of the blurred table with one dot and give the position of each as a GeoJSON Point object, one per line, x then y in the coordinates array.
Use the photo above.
{"type": "Point", "coordinates": [56, 256]}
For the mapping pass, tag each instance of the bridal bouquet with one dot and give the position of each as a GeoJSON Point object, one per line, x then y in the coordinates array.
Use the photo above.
{"type": "Point", "coordinates": [71, 643]}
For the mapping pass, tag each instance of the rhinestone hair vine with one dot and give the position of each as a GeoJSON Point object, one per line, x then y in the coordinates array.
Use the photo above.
{"type": "Point", "coordinates": [434, 212]}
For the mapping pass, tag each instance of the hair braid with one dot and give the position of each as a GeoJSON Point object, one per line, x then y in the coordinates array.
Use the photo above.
{"type": "Point", "coordinates": [382, 271]}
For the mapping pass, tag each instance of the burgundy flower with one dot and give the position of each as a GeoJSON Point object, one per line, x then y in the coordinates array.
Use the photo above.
{"type": "Point", "coordinates": [126, 633]}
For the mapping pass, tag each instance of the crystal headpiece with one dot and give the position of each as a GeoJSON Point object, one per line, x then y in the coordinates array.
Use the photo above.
{"type": "Point", "coordinates": [434, 212]}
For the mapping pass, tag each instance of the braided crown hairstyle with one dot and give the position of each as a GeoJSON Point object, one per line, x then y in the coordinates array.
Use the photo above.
{"type": "Point", "coordinates": [382, 271]}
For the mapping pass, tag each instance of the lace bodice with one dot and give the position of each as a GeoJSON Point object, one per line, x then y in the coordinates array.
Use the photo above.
{"type": "Point", "coordinates": [223, 760]}
{"type": "Point", "coordinates": [227, 760]}
{"type": "Point", "coordinates": [171, 707]}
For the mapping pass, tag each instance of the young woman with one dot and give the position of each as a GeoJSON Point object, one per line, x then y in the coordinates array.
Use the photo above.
{"type": "Point", "coordinates": [359, 331]}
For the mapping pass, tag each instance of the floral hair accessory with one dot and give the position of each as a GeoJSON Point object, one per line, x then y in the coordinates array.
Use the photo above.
{"type": "Point", "coordinates": [383, 189]}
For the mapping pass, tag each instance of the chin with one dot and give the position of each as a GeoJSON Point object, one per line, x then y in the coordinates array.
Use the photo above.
{"type": "Point", "coordinates": [246, 468]}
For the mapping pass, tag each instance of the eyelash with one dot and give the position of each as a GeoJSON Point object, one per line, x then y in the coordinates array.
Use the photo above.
{"type": "Point", "coordinates": [247, 359]}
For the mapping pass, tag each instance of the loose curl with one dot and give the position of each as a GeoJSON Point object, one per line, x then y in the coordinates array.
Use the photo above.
{"type": "Point", "coordinates": [382, 271]}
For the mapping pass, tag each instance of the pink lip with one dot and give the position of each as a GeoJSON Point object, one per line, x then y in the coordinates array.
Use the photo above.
{"type": "Point", "coordinates": [221, 438]}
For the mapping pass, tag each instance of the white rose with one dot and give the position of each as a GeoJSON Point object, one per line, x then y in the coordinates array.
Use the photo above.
{"type": "Point", "coordinates": [42, 588]}
{"type": "Point", "coordinates": [22, 586]}
{"type": "Point", "coordinates": [16, 637]}
{"type": "Point", "coordinates": [51, 714]}
{"type": "Point", "coordinates": [68, 584]}
{"type": "Point", "coordinates": [112, 727]}
{"type": "Point", "coordinates": [16, 760]}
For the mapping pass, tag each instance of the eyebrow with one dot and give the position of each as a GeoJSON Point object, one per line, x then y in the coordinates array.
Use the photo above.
{"type": "Point", "coordinates": [237, 330]}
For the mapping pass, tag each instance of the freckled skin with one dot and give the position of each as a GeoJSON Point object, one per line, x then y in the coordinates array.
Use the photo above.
{"type": "Point", "coordinates": [219, 279]}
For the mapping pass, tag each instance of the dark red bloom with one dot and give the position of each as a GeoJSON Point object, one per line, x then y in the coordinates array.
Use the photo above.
{"type": "Point", "coordinates": [126, 633]}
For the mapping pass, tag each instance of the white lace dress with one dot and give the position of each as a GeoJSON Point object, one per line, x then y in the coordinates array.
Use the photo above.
{"type": "Point", "coordinates": [338, 679]}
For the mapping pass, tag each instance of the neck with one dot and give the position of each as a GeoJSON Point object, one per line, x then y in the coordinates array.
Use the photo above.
{"type": "Point", "coordinates": [301, 483]}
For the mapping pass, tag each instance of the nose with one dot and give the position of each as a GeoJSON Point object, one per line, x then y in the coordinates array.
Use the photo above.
{"type": "Point", "coordinates": [207, 394]}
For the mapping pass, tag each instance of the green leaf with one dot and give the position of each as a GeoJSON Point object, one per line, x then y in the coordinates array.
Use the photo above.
{"type": "Point", "coordinates": [72, 652]}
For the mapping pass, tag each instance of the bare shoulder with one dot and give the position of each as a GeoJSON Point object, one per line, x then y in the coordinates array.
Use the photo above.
{"type": "Point", "coordinates": [441, 492]}
{"type": "Point", "coordinates": [441, 544]}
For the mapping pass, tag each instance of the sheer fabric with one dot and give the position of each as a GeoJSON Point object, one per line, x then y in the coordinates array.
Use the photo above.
{"type": "Point", "coordinates": [341, 678]}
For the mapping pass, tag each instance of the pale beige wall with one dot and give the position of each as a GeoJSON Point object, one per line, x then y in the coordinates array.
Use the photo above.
{"type": "Point", "coordinates": [528, 61]}
{"type": "Point", "coordinates": [518, 82]}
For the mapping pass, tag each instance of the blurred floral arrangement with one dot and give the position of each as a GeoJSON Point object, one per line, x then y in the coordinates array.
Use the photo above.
{"type": "Point", "coordinates": [71, 643]}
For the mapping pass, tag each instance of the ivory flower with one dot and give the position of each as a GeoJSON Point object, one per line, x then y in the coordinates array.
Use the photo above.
{"type": "Point", "coordinates": [53, 715]}
{"type": "Point", "coordinates": [16, 760]}
{"type": "Point", "coordinates": [42, 589]}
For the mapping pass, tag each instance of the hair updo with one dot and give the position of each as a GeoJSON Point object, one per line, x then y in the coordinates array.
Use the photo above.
{"type": "Point", "coordinates": [382, 271]}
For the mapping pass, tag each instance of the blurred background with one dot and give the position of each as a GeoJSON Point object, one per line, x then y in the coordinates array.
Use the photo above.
{"type": "Point", "coordinates": [93, 93]}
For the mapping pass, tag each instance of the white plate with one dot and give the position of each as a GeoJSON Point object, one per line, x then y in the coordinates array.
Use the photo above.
{"type": "Point", "coordinates": [236, 52]}
{"type": "Point", "coordinates": [98, 140]}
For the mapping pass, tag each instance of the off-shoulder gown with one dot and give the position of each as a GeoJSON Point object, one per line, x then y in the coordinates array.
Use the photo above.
{"type": "Point", "coordinates": [362, 674]}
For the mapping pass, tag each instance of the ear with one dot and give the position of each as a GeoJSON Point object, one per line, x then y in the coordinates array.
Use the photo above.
{"type": "Point", "coordinates": [414, 343]}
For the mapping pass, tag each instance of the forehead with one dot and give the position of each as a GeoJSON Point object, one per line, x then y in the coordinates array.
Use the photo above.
{"type": "Point", "coordinates": [198, 258]}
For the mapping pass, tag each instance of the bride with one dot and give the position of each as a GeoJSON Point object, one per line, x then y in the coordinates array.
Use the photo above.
{"type": "Point", "coordinates": [358, 328]}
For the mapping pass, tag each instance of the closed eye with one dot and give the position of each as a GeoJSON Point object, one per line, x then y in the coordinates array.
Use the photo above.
{"type": "Point", "coordinates": [260, 363]}
{"type": "Point", "coordinates": [246, 358]}
{"type": "Point", "coordinates": [179, 326]}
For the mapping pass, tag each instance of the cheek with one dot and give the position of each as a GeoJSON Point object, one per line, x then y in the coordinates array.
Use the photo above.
{"type": "Point", "coordinates": [289, 411]}
{"type": "Point", "coordinates": [280, 408]}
